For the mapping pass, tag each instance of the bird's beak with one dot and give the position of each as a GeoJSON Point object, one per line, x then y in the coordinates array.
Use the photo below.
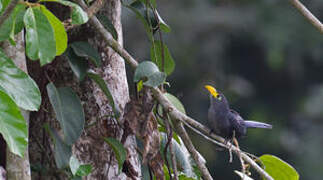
{"type": "Point", "coordinates": [212, 90]}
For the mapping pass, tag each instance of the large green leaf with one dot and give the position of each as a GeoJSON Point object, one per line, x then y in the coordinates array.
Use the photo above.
{"type": "Point", "coordinates": [118, 149]}
{"type": "Point", "coordinates": [59, 30]}
{"type": "Point", "coordinates": [84, 49]}
{"type": "Point", "coordinates": [150, 74]}
{"type": "Point", "coordinates": [62, 151]}
{"type": "Point", "coordinates": [78, 15]}
{"type": "Point", "coordinates": [103, 86]}
{"type": "Point", "coordinates": [156, 56]}
{"type": "Point", "coordinates": [68, 110]}
{"type": "Point", "coordinates": [78, 64]}
{"type": "Point", "coordinates": [12, 24]}
{"type": "Point", "coordinates": [18, 85]}
{"type": "Point", "coordinates": [278, 169]}
{"type": "Point", "coordinates": [13, 127]}
{"type": "Point", "coordinates": [40, 40]}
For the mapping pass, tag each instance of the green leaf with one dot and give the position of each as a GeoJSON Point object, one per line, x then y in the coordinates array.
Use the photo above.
{"type": "Point", "coordinates": [175, 136]}
{"type": "Point", "coordinates": [243, 176]}
{"type": "Point", "coordinates": [62, 151]}
{"type": "Point", "coordinates": [12, 24]}
{"type": "Point", "coordinates": [150, 74]}
{"type": "Point", "coordinates": [84, 49]}
{"type": "Point", "coordinates": [78, 169]}
{"type": "Point", "coordinates": [40, 40]}
{"type": "Point", "coordinates": [78, 64]}
{"type": "Point", "coordinates": [118, 149]}
{"type": "Point", "coordinates": [278, 169]}
{"type": "Point", "coordinates": [13, 127]}
{"type": "Point", "coordinates": [108, 25]}
{"type": "Point", "coordinates": [59, 30]}
{"type": "Point", "coordinates": [84, 170]}
{"type": "Point", "coordinates": [150, 22]}
{"type": "Point", "coordinates": [103, 86]}
{"type": "Point", "coordinates": [182, 156]}
{"type": "Point", "coordinates": [78, 15]}
{"type": "Point", "coordinates": [18, 85]}
{"type": "Point", "coordinates": [156, 56]}
{"type": "Point", "coordinates": [68, 110]}
{"type": "Point", "coordinates": [179, 106]}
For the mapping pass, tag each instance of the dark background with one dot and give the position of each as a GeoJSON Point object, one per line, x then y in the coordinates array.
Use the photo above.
{"type": "Point", "coordinates": [265, 57]}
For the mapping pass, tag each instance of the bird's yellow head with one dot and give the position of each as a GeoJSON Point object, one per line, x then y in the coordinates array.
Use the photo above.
{"type": "Point", "coordinates": [213, 91]}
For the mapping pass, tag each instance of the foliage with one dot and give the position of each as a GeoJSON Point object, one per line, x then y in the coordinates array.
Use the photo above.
{"type": "Point", "coordinates": [45, 39]}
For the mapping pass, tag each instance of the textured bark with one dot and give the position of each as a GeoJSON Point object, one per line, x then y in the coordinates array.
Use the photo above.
{"type": "Point", "coordinates": [18, 168]}
{"type": "Point", "coordinates": [90, 148]}
{"type": "Point", "coordinates": [113, 72]}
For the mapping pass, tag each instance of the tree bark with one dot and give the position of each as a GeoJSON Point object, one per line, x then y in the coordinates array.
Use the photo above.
{"type": "Point", "coordinates": [18, 168]}
{"type": "Point", "coordinates": [90, 148]}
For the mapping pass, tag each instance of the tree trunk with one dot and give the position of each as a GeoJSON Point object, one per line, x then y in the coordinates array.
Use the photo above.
{"type": "Point", "coordinates": [90, 148]}
{"type": "Point", "coordinates": [17, 168]}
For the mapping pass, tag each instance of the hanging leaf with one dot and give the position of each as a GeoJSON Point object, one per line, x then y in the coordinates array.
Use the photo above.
{"type": "Point", "coordinates": [74, 164]}
{"type": "Point", "coordinates": [78, 64]}
{"type": "Point", "coordinates": [68, 110]}
{"type": "Point", "coordinates": [84, 49]}
{"type": "Point", "coordinates": [18, 85]}
{"type": "Point", "coordinates": [62, 151]}
{"type": "Point", "coordinates": [78, 169]}
{"type": "Point", "coordinates": [156, 56]}
{"type": "Point", "coordinates": [78, 15]}
{"type": "Point", "coordinates": [118, 149]}
{"type": "Point", "coordinates": [40, 40]}
{"type": "Point", "coordinates": [12, 25]}
{"type": "Point", "coordinates": [13, 127]}
{"type": "Point", "coordinates": [278, 169]}
{"type": "Point", "coordinates": [108, 25]}
{"type": "Point", "coordinates": [103, 86]}
{"type": "Point", "coordinates": [150, 74]}
{"type": "Point", "coordinates": [182, 156]}
{"type": "Point", "coordinates": [177, 103]}
{"type": "Point", "coordinates": [59, 30]}
{"type": "Point", "coordinates": [148, 18]}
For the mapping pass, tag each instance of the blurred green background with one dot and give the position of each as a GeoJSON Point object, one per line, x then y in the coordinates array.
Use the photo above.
{"type": "Point", "coordinates": [264, 56]}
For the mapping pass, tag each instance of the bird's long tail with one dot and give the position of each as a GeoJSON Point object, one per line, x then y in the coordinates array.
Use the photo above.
{"type": "Point", "coordinates": [254, 124]}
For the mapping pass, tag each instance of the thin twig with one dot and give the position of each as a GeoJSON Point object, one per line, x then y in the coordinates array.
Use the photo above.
{"type": "Point", "coordinates": [190, 147]}
{"type": "Point", "coordinates": [8, 11]}
{"type": "Point", "coordinates": [161, 98]}
{"type": "Point", "coordinates": [308, 15]}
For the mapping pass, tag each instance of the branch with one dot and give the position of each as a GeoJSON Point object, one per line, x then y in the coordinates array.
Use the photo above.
{"type": "Point", "coordinates": [8, 11]}
{"type": "Point", "coordinates": [173, 112]}
{"type": "Point", "coordinates": [308, 15]}
{"type": "Point", "coordinates": [190, 147]}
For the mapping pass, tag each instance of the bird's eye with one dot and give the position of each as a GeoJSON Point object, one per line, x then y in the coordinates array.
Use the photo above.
{"type": "Point", "coordinates": [219, 97]}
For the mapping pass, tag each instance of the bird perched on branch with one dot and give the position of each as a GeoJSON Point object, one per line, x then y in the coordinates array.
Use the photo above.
{"type": "Point", "coordinates": [226, 122]}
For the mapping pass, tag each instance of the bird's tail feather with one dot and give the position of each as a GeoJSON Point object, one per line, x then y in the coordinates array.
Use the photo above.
{"type": "Point", "coordinates": [254, 124]}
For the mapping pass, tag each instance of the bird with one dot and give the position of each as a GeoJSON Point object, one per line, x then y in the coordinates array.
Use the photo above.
{"type": "Point", "coordinates": [226, 122]}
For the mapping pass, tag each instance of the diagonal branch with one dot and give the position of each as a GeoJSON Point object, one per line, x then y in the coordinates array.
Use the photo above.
{"type": "Point", "coordinates": [190, 147]}
{"type": "Point", "coordinates": [173, 112]}
{"type": "Point", "coordinates": [8, 11]}
{"type": "Point", "coordinates": [308, 15]}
